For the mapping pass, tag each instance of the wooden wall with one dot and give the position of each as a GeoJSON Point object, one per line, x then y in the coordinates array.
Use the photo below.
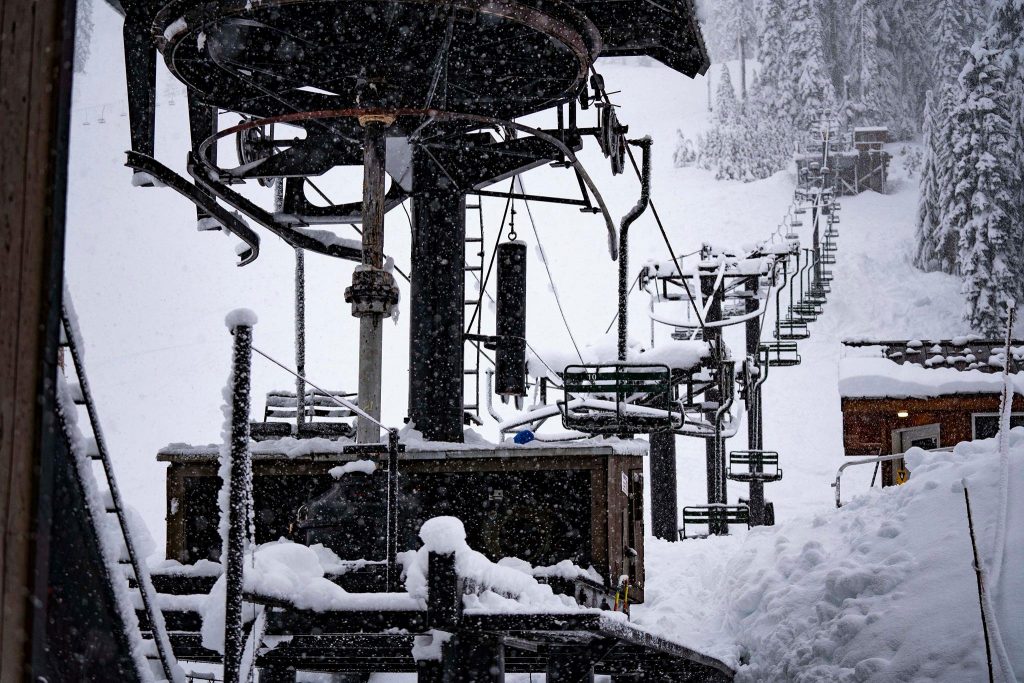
{"type": "Point", "coordinates": [868, 424]}
{"type": "Point", "coordinates": [36, 45]}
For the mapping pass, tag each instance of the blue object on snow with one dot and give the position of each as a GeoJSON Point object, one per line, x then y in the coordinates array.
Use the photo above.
{"type": "Point", "coordinates": [524, 437]}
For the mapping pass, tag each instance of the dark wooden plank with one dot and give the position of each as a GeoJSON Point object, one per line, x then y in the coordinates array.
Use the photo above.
{"type": "Point", "coordinates": [34, 97]}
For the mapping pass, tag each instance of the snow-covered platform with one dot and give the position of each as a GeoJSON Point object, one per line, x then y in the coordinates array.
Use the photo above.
{"type": "Point", "coordinates": [579, 502]}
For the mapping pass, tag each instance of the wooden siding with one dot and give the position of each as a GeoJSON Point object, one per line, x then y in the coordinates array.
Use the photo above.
{"type": "Point", "coordinates": [35, 61]}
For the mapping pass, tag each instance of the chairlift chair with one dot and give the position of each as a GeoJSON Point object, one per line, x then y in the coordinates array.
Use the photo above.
{"type": "Point", "coordinates": [754, 465]}
{"type": "Point", "coordinates": [618, 399]}
{"type": "Point", "coordinates": [806, 311]}
{"type": "Point", "coordinates": [780, 354]}
{"type": "Point", "coordinates": [712, 515]}
{"type": "Point", "coordinates": [792, 329]}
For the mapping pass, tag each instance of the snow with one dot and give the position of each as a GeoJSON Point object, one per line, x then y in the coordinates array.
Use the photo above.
{"type": "Point", "coordinates": [177, 26]}
{"type": "Point", "coordinates": [677, 354]}
{"type": "Point", "coordinates": [443, 535]}
{"type": "Point", "coordinates": [882, 589]}
{"type": "Point", "coordinates": [363, 466]}
{"type": "Point", "coordinates": [501, 588]}
{"type": "Point", "coordinates": [110, 540]}
{"type": "Point", "coordinates": [158, 354]}
{"type": "Point", "coordinates": [293, 573]}
{"type": "Point", "coordinates": [240, 316]}
{"type": "Point", "coordinates": [861, 377]}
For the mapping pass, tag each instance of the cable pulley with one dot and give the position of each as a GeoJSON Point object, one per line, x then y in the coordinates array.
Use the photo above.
{"type": "Point", "coordinates": [253, 145]}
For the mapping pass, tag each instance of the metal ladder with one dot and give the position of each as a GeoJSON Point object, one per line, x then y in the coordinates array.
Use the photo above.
{"type": "Point", "coordinates": [97, 451]}
{"type": "Point", "coordinates": [474, 270]}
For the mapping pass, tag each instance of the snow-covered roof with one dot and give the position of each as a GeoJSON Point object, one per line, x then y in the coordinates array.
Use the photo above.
{"type": "Point", "coordinates": [873, 377]}
{"type": "Point", "coordinates": [334, 450]}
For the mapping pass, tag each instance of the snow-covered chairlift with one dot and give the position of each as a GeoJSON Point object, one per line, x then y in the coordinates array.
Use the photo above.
{"type": "Point", "coordinates": [713, 515]}
{"type": "Point", "coordinates": [618, 398]}
{"type": "Point", "coordinates": [754, 465]}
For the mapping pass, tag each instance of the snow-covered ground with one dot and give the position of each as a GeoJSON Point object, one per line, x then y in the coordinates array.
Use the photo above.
{"type": "Point", "coordinates": [881, 590]}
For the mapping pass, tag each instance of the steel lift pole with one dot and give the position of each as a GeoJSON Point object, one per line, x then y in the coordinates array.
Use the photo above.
{"type": "Point", "coordinates": [755, 421]}
{"type": "Point", "coordinates": [715, 444]}
{"type": "Point", "coordinates": [373, 293]}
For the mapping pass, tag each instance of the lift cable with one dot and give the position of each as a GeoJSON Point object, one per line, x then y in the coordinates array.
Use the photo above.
{"type": "Point", "coordinates": [547, 268]}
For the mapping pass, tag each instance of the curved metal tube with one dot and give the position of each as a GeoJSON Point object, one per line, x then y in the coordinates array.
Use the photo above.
{"type": "Point", "coordinates": [644, 144]}
{"type": "Point", "coordinates": [434, 114]}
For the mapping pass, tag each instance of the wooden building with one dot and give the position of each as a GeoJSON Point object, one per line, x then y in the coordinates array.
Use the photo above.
{"type": "Point", "coordinates": [899, 394]}
{"type": "Point", "coordinates": [859, 159]}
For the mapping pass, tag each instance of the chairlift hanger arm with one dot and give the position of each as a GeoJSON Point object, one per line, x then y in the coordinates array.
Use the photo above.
{"type": "Point", "coordinates": [201, 198]}
{"type": "Point", "coordinates": [292, 237]}
{"type": "Point", "coordinates": [205, 149]}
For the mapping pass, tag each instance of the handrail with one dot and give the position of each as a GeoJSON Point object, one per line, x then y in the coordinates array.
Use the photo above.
{"type": "Point", "coordinates": [869, 461]}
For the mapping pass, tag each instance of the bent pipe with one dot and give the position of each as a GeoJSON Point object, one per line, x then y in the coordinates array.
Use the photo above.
{"type": "Point", "coordinates": [293, 238]}
{"type": "Point", "coordinates": [201, 198]}
{"type": "Point", "coordinates": [433, 115]}
{"type": "Point", "coordinates": [627, 220]}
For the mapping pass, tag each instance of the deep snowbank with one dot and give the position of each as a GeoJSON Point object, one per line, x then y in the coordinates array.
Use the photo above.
{"type": "Point", "coordinates": [882, 589]}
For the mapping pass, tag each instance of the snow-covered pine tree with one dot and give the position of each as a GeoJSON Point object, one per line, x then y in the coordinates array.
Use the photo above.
{"type": "Point", "coordinates": [742, 144]}
{"type": "Point", "coordinates": [928, 204]}
{"type": "Point", "coordinates": [728, 22]}
{"type": "Point", "coordinates": [726, 104]}
{"type": "Point", "coordinates": [952, 24]}
{"type": "Point", "coordinates": [1007, 36]}
{"type": "Point", "coordinates": [946, 132]}
{"type": "Point", "coordinates": [804, 63]}
{"type": "Point", "coordinates": [714, 144]}
{"type": "Point", "coordinates": [872, 80]}
{"type": "Point", "coordinates": [772, 55]}
{"type": "Point", "coordinates": [905, 37]}
{"type": "Point", "coordinates": [984, 204]}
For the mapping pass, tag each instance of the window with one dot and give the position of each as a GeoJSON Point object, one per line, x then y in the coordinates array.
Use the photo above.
{"type": "Point", "coordinates": [986, 425]}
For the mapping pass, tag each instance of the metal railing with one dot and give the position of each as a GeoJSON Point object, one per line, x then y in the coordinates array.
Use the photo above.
{"type": "Point", "coordinates": [868, 461]}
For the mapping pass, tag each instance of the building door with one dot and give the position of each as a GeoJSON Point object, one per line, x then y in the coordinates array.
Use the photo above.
{"type": "Point", "coordinates": [927, 437]}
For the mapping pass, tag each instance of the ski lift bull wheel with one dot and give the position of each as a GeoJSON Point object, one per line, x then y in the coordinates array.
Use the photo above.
{"type": "Point", "coordinates": [612, 138]}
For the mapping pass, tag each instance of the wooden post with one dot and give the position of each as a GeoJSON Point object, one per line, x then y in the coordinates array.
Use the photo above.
{"type": "Point", "coordinates": [444, 592]}
{"type": "Point", "coordinates": [474, 658]}
{"type": "Point", "coordinates": [238, 502]}
{"type": "Point", "coordinates": [569, 665]}
{"type": "Point", "coordinates": [664, 488]}
{"type": "Point", "coordinates": [36, 56]}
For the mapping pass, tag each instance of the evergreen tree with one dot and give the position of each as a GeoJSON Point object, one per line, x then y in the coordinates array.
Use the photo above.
{"type": "Point", "coordinates": [984, 202]}
{"type": "Point", "coordinates": [872, 76]}
{"type": "Point", "coordinates": [928, 204]}
{"type": "Point", "coordinates": [905, 38]}
{"type": "Point", "coordinates": [805, 61]}
{"type": "Point", "coordinates": [953, 24]}
{"type": "Point", "coordinates": [726, 104]}
{"type": "Point", "coordinates": [772, 54]}
{"type": "Point", "coordinates": [741, 144]}
{"type": "Point", "coordinates": [946, 132]}
{"type": "Point", "coordinates": [728, 22]}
